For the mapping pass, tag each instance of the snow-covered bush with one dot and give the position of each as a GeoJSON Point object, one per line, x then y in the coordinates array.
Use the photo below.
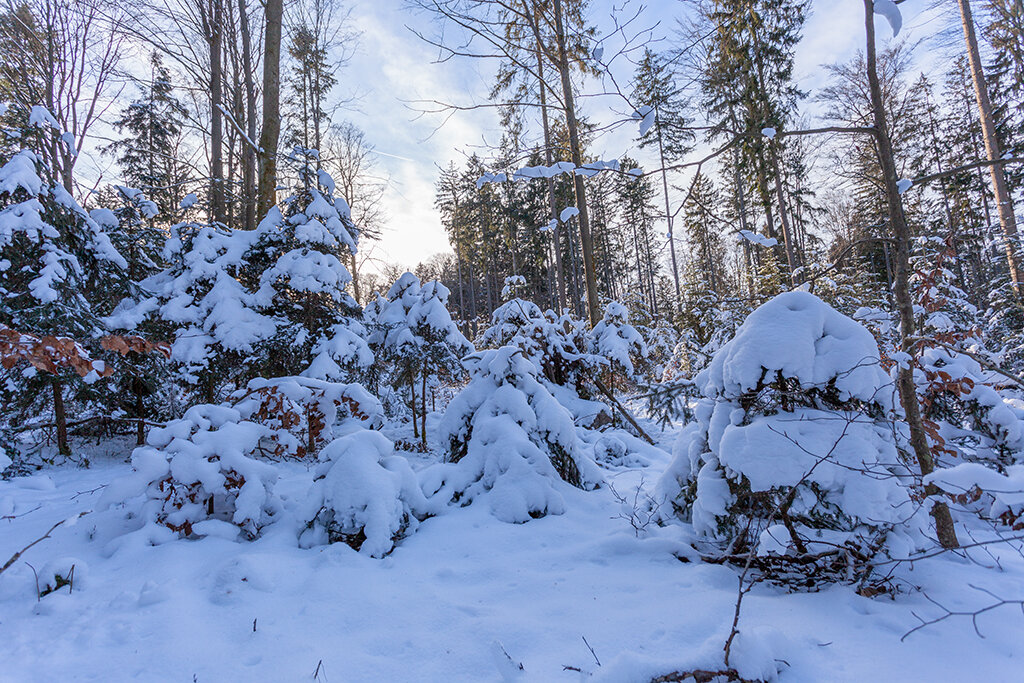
{"type": "Point", "coordinates": [510, 441]}
{"type": "Point", "coordinates": [304, 414]}
{"type": "Point", "coordinates": [793, 450]}
{"type": "Point", "coordinates": [618, 342]}
{"type": "Point", "coordinates": [204, 467]}
{"type": "Point", "coordinates": [363, 495]}
{"type": "Point", "coordinates": [197, 474]}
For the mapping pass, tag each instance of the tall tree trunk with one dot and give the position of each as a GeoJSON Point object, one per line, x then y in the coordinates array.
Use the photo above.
{"type": "Point", "coordinates": [248, 153]}
{"type": "Point", "coordinates": [904, 303]}
{"type": "Point", "coordinates": [668, 216]}
{"type": "Point", "coordinates": [788, 238]}
{"type": "Point", "coordinates": [423, 415]}
{"type": "Point", "coordinates": [140, 413]}
{"type": "Point", "coordinates": [548, 160]}
{"type": "Point", "coordinates": [271, 130]}
{"type": "Point", "coordinates": [215, 36]}
{"type": "Point", "coordinates": [586, 241]}
{"type": "Point", "coordinates": [355, 277]}
{"type": "Point", "coordinates": [1004, 202]}
{"type": "Point", "coordinates": [60, 418]}
{"type": "Point", "coordinates": [412, 403]}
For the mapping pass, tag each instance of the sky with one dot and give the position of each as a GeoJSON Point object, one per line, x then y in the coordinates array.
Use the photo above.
{"type": "Point", "coordinates": [392, 68]}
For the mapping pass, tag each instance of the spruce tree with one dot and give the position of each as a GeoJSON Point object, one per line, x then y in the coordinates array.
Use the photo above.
{"type": "Point", "coordinates": [149, 155]}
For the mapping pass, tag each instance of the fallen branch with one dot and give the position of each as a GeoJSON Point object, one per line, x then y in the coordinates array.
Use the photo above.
{"type": "Point", "coordinates": [629, 418]}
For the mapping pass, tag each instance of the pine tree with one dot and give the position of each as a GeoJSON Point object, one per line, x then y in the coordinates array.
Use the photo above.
{"type": "Point", "coordinates": [58, 266]}
{"type": "Point", "coordinates": [654, 86]}
{"type": "Point", "coordinates": [415, 334]}
{"type": "Point", "coordinates": [296, 270]}
{"type": "Point", "coordinates": [149, 156]}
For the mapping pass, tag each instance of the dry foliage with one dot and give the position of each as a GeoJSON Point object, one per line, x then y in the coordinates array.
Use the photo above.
{"type": "Point", "coordinates": [52, 354]}
{"type": "Point", "coordinates": [303, 414]}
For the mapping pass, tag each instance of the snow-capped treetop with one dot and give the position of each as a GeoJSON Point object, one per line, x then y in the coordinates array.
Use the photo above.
{"type": "Point", "coordinates": [415, 319]}
{"type": "Point", "coordinates": [616, 340]}
{"type": "Point", "coordinates": [513, 285]}
{"type": "Point", "coordinates": [804, 339]}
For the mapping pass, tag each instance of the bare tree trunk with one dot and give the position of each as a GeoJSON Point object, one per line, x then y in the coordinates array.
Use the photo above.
{"type": "Point", "coordinates": [423, 415]}
{"type": "Point", "coordinates": [355, 276]}
{"type": "Point", "coordinates": [215, 37]}
{"type": "Point", "coordinates": [1004, 202]}
{"type": "Point", "coordinates": [787, 228]}
{"type": "Point", "coordinates": [248, 153]}
{"type": "Point", "coordinates": [271, 131]}
{"type": "Point", "coordinates": [904, 304]}
{"type": "Point", "coordinates": [60, 418]}
{"type": "Point", "coordinates": [559, 275]}
{"type": "Point", "coordinates": [668, 217]}
{"type": "Point", "coordinates": [412, 404]}
{"type": "Point", "coordinates": [140, 413]}
{"type": "Point", "coordinates": [586, 241]}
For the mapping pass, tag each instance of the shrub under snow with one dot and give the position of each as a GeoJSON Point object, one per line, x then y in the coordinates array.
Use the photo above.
{"type": "Point", "coordinates": [510, 441]}
{"type": "Point", "coordinates": [793, 449]}
{"type": "Point", "coordinates": [201, 468]}
{"type": "Point", "coordinates": [363, 495]}
{"type": "Point", "coordinates": [197, 471]}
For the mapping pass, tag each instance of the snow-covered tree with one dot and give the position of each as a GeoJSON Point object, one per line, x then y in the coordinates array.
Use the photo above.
{"type": "Point", "coordinates": [58, 266]}
{"type": "Point", "coordinates": [415, 333]}
{"type": "Point", "coordinates": [509, 441]}
{"type": "Point", "coordinates": [793, 450]}
{"type": "Point", "coordinates": [296, 272]}
{"type": "Point", "coordinates": [618, 342]}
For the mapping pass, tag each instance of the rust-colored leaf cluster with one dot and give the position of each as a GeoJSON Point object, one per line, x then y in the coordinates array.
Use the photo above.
{"type": "Point", "coordinates": [49, 354]}
{"type": "Point", "coordinates": [303, 417]}
{"type": "Point", "coordinates": [133, 344]}
{"type": "Point", "coordinates": [52, 354]}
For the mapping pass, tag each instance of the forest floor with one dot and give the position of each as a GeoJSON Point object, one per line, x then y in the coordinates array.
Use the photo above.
{"type": "Point", "coordinates": [580, 591]}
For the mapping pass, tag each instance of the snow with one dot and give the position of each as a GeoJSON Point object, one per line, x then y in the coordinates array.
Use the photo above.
{"type": "Point", "coordinates": [568, 213]}
{"type": "Point", "coordinates": [889, 10]}
{"type": "Point", "coordinates": [768, 133]}
{"type": "Point", "coordinates": [433, 608]}
{"type": "Point", "coordinates": [803, 338]}
{"type": "Point", "coordinates": [751, 236]}
{"type": "Point", "coordinates": [904, 185]}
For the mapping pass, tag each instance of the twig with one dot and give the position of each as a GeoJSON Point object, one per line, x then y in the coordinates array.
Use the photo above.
{"type": "Point", "coordinates": [15, 556]}
{"type": "Point", "coordinates": [948, 613]}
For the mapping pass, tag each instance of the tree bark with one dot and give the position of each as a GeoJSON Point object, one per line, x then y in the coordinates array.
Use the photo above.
{"type": "Point", "coordinates": [215, 38]}
{"type": "Point", "coordinates": [586, 240]}
{"type": "Point", "coordinates": [1004, 202]}
{"type": "Point", "coordinates": [271, 131]}
{"type": "Point", "coordinates": [248, 153]}
{"type": "Point", "coordinates": [60, 418]}
{"type": "Point", "coordinates": [904, 304]}
{"type": "Point", "coordinates": [555, 233]}
{"type": "Point", "coordinates": [668, 216]}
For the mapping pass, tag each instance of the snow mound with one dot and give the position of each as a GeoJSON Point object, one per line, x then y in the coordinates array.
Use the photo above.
{"type": "Point", "coordinates": [800, 337]}
{"type": "Point", "coordinates": [200, 468]}
{"type": "Point", "coordinates": [363, 495]}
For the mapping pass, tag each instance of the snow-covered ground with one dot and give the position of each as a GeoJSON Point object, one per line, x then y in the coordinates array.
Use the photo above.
{"type": "Point", "coordinates": [453, 595]}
